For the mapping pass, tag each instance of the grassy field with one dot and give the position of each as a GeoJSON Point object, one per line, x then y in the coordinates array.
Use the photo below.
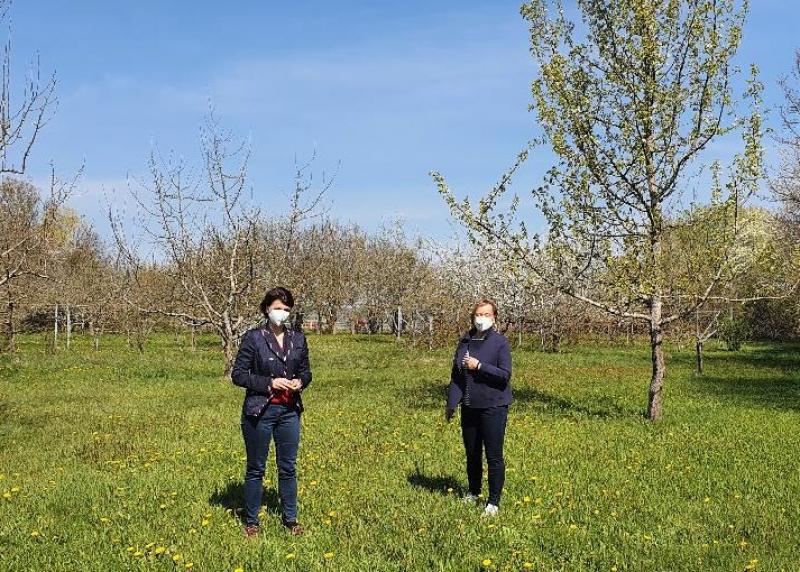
{"type": "Point", "coordinates": [114, 461]}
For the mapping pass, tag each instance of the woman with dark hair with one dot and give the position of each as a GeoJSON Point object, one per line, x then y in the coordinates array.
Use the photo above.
{"type": "Point", "coordinates": [481, 382]}
{"type": "Point", "coordinates": [272, 365]}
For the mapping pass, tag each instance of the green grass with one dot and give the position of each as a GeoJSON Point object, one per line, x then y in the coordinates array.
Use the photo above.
{"type": "Point", "coordinates": [111, 457]}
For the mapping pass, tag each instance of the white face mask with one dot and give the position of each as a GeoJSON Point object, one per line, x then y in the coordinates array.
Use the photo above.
{"type": "Point", "coordinates": [483, 323]}
{"type": "Point", "coordinates": [278, 317]}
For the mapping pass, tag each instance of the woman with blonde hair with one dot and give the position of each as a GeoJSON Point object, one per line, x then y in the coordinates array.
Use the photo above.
{"type": "Point", "coordinates": [480, 381]}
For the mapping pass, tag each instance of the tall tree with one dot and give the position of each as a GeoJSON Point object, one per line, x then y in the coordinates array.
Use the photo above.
{"type": "Point", "coordinates": [786, 182]}
{"type": "Point", "coordinates": [628, 100]}
{"type": "Point", "coordinates": [21, 207]}
{"type": "Point", "coordinates": [202, 231]}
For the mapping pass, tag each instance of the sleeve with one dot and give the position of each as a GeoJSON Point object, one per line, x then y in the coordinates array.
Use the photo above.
{"type": "Point", "coordinates": [242, 375]}
{"type": "Point", "coordinates": [303, 372]}
{"type": "Point", "coordinates": [454, 391]}
{"type": "Point", "coordinates": [500, 373]}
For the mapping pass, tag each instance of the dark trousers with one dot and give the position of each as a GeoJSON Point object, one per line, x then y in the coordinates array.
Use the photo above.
{"type": "Point", "coordinates": [485, 429]}
{"type": "Point", "coordinates": [282, 424]}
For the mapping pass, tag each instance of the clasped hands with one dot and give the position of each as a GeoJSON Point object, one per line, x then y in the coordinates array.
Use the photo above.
{"type": "Point", "coordinates": [470, 362]}
{"type": "Point", "coordinates": [281, 383]}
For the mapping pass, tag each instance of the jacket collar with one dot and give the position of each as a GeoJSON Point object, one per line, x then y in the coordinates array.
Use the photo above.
{"type": "Point", "coordinates": [470, 334]}
{"type": "Point", "coordinates": [272, 342]}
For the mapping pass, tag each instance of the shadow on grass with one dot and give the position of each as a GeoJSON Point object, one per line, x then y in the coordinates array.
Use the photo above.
{"type": "Point", "coordinates": [441, 484]}
{"type": "Point", "coordinates": [778, 387]}
{"type": "Point", "coordinates": [778, 356]}
{"type": "Point", "coordinates": [232, 497]}
{"type": "Point", "coordinates": [529, 398]}
{"type": "Point", "coordinates": [779, 393]}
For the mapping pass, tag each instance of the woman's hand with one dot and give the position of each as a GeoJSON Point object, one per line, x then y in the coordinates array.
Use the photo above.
{"type": "Point", "coordinates": [470, 362]}
{"type": "Point", "coordinates": [281, 384]}
{"type": "Point", "coordinates": [448, 413]}
{"type": "Point", "coordinates": [296, 386]}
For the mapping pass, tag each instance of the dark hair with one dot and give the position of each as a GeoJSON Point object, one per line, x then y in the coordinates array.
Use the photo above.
{"type": "Point", "coordinates": [279, 293]}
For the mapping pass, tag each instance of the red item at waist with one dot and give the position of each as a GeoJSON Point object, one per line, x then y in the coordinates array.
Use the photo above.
{"type": "Point", "coordinates": [282, 397]}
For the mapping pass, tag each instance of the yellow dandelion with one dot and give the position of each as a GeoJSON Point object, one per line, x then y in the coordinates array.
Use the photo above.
{"type": "Point", "coordinates": [138, 553]}
{"type": "Point", "coordinates": [189, 565]}
{"type": "Point", "coordinates": [205, 522]}
{"type": "Point", "coordinates": [527, 565]}
{"type": "Point", "coordinates": [240, 569]}
{"type": "Point", "coordinates": [328, 555]}
{"type": "Point", "coordinates": [160, 550]}
{"type": "Point", "coordinates": [35, 533]}
{"type": "Point", "coordinates": [290, 556]}
{"type": "Point", "coordinates": [527, 499]}
{"type": "Point", "coordinates": [486, 562]}
{"type": "Point", "coordinates": [14, 489]}
{"type": "Point", "coordinates": [177, 558]}
{"type": "Point", "coordinates": [6, 495]}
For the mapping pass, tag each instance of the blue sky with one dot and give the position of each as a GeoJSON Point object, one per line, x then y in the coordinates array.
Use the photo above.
{"type": "Point", "coordinates": [391, 89]}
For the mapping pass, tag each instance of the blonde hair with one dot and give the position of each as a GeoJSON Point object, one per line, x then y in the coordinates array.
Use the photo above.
{"type": "Point", "coordinates": [485, 302]}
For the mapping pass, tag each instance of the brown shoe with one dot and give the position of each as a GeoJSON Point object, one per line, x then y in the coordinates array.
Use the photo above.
{"type": "Point", "coordinates": [295, 528]}
{"type": "Point", "coordinates": [251, 530]}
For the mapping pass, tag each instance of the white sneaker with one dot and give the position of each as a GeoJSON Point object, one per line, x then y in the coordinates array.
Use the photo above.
{"type": "Point", "coordinates": [469, 498]}
{"type": "Point", "coordinates": [491, 510]}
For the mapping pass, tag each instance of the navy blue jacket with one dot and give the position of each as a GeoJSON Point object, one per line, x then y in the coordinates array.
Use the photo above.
{"type": "Point", "coordinates": [257, 363]}
{"type": "Point", "coordinates": [490, 386]}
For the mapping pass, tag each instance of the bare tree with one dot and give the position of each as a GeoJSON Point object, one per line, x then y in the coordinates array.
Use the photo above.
{"type": "Point", "coordinates": [786, 182]}
{"type": "Point", "coordinates": [34, 231]}
{"type": "Point", "coordinates": [21, 120]}
{"type": "Point", "coordinates": [23, 215]}
{"type": "Point", "coordinates": [200, 230]}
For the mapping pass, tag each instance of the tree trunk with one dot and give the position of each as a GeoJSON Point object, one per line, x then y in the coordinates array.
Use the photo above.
{"type": "Point", "coordinates": [95, 335]}
{"type": "Point", "coordinates": [10, 332]}
{"type": "Point", "coordinates": [699, 352]}
{"type": "Point", "coordinates": [228, 337]}
{"type": "Point", "coordinates": [230, 356]}
{"type": "Point", "coordinates": [399, 322]}
{"type": "Point", "coordinates": [655, 395]}
{"type": "Point", "coordinates": [55, 328]}
{"type": "Point", "coordinates": [68, 315]}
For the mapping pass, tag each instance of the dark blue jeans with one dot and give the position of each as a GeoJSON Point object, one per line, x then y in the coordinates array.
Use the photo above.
{"type": "Point", "coordinates": [485, 429]}
{"type": "Point", "coordinates": [282, 424]}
